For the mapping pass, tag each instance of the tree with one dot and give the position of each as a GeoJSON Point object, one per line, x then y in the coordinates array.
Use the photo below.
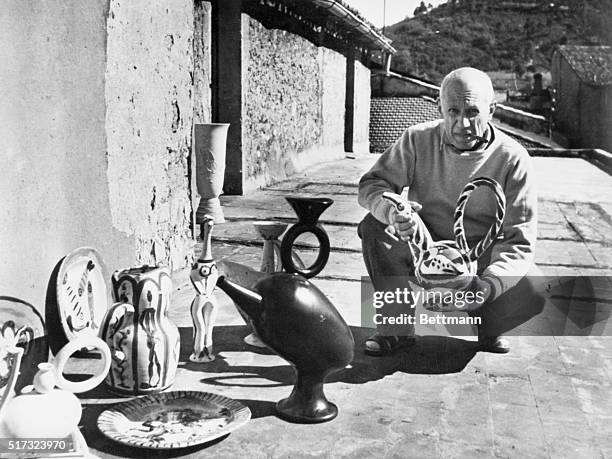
{"type": "Point", "coordinates": [420, 9]}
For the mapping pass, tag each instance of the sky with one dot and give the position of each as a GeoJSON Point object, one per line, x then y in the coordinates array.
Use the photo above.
{"type": "Point", "coordinates": [395, 10]}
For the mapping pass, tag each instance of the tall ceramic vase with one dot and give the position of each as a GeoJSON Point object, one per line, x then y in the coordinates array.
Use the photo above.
{"type": "Point", "coordinates": [144, 343]}
{"type": "Point", "coordinates": [210, 146]}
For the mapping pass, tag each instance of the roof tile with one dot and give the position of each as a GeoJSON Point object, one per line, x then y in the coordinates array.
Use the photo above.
{"type": "Point", "coordinates": [592, 64]}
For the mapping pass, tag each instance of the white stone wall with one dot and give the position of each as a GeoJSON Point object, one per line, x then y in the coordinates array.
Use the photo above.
{"type": "Point", "coordinates": [53, 158]}
{"type": "Point", "coordinates": [282, 102]}
{"type": "Point", "coordinates": [362, 108]}
{"type": "Point", "coordinates": [294, 105]}
{"type": "Point", "coordinates": [334, 90]}
{"type": "Point", "coordinates": [149, 111]}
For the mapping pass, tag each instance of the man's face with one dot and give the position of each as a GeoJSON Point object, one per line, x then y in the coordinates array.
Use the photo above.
{"type": "Point", "coordinates": [466, 110]}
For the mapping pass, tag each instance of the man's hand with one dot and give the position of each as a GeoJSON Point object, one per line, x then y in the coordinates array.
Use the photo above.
{"type": "Point", "coordinates": [481, 290]}
{"type": "Point", "coordinates": [403, 223]}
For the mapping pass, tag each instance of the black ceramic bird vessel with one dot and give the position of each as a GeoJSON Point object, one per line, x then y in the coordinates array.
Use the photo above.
{"type": "Point", "coordinates": [294, 318]}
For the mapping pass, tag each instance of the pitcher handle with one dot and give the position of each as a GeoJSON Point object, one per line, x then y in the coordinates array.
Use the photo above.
{"type": "Point", "coordinates": [70, 348]}
{"type": "Point", "coordinates": [458, 228]}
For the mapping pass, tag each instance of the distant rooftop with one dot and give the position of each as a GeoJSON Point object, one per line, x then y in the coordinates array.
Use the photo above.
{"type": "Point", "coordinates": [391, 116]}
{"type": "Point", "coordinates": [592, 64]}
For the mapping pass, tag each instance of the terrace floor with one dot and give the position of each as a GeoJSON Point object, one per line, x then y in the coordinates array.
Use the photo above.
{"type": "Point", "coordinates": [551, 396]}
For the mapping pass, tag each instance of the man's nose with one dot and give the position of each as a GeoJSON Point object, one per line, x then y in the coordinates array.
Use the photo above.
{"type": "Point", "coordinates": [465, 121]}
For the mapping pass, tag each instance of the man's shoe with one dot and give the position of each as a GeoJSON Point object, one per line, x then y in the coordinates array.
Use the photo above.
{"type": "Point", "coordinates": [380, 345]}
{"type": "Point", "coordinates": [494, 344]}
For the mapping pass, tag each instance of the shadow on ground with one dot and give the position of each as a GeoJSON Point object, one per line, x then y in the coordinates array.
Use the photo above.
{"type": "Point", "coordinates": [430, 355]}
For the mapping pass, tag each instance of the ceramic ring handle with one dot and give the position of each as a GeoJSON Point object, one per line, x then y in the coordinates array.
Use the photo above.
{"type": "Point", "coordinates": [286, 250]}
{"type": "Point", "coordinates": [458, 228]}
{"type": "Point", "coordinates": [70, 348]}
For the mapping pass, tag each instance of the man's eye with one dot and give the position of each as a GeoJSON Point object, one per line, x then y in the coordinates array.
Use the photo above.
{"type": "Point", "coordinates": [472, 113]}
{"type": "Point", "coordinates": [453, 111]}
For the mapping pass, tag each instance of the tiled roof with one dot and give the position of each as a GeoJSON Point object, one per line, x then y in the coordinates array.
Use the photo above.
{"type": "Point", "coordinates": [391, 116]}
{"type": "Point", "coordinates": [592, 64]}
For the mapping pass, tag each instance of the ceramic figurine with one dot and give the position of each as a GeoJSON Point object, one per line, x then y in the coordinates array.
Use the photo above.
{"type": "Point", "coordinates": [308, 211]}
{"type": "Point", "coordinates": [450, 264]}
{"type": "Point", "coordinates": [298, 322]}
{"type": "Point", "coordinates": [144, 343]}
{"type": "Point", "coordinates": [44, 411]}
{"type": "Point", "coordinates": [204, 275]}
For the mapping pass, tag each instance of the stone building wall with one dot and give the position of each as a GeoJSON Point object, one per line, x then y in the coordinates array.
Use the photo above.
{"type": "Point", "coordinates": [334, 90]}
{"type": "Point", "coordinates": [149, 114]}
{"type": "Point", "coordinates": [294, 104]}
{"type": "Point", "coordinates": [54, 187]}
{"type": "Point", "coordinates": [202, 61]}
{"type": "Point", "coordinates": [362, 108]}
{"type": "Point", "coordinates": [282, 102]}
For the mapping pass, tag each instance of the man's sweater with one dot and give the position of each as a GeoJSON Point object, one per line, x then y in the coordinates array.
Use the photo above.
{"type": "Point", "coordinates": [436, 173]}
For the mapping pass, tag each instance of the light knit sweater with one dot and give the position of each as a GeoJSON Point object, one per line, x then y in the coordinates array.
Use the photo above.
{"type": "Point", "coordinates": [436, 173]}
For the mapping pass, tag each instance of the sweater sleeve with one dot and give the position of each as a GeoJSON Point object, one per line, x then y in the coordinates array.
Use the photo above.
{"type": "Point", "coordinates": [391, 172]}
{"type": "Point", "coordinates": [513, 255]}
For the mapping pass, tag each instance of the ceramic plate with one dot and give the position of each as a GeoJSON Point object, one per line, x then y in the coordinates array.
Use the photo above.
{"type": "Point", "coordinates": [173, 419]}
{"type": "Point", "coordinates": [10, 359]}
{"type": "Point", "coordinates": [81, 296]}
{"type": "Point", "coordinates": [22, 325]}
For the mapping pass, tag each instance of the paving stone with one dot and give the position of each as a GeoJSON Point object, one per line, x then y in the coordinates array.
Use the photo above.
{"type": "Point", "coordinates": [602, 254]}
{"type": "Point", "coordinates": [593, 397]}
{"type": "Point", "coordinates": [343, 171]}
{"type": "Point", "coordinates": [566, 253]}
{"type": "Point", "coordinates": [588, 219]}
{"type": "Point", "coordinates": [584, 364]}
{"type": "Point", "coordinates": [569, 271]}
{"type": "Point", "coordinates": [560, 414]}
{"type": "Point", "coordinates": [571, 179]}
{"type": "Point", "coordinates": [272, 205]}
{"type": "Point", "coordinates": [518, 431]}
{"type": "Point", "coordinates": [465, 417]}
{"type": "Point", "coordinates": [321, 188]}
{"type": "Point", "coordinates": [552, 223]}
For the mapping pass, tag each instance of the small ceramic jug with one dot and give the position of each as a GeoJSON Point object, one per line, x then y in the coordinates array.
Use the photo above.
{"type": "Point", "coordinates": [450, 264]}
{"type": "Point", "coordinates": [144, 343]}
{"type": "Point", "coordinates": [270, 231]}
{"type": "Point", "coordinates": [45, 411]}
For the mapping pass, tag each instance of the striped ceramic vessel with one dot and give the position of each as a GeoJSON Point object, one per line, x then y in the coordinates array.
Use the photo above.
{"type": "Point", "coordinates": [450, 264]}
{"type": "Point", "coordinates": [144, 343]}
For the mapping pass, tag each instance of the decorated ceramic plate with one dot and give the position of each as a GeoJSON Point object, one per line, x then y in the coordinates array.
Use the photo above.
{"type": "Point", "coordinates": [21, 325]}
{"type": "Point", "coordinates": [78, 297]}
{"type": "Point", "coordinates": [175, 419]}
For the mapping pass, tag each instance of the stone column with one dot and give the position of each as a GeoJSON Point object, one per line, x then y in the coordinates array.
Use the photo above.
{"type": "Point", "coordinates": [230, 36]}
{"type": "Point", "coordinates": [349, 101]}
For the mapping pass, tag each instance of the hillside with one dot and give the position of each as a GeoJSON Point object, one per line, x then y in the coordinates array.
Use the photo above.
{"type": "Point", "coordinates": [495, 35]}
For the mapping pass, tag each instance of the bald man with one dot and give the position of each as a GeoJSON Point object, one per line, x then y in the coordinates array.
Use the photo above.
{"type": "Point", "coordinates": [435, 160]}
